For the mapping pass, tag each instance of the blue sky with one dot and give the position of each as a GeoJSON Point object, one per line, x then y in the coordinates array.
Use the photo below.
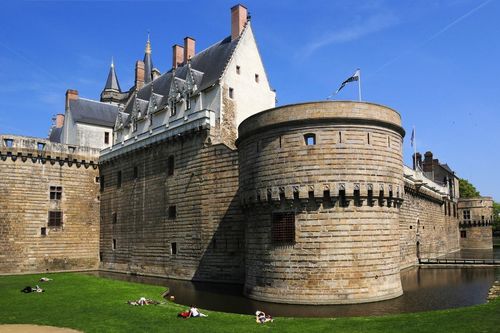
{"type": "Point", "coordinates": [436, 62]}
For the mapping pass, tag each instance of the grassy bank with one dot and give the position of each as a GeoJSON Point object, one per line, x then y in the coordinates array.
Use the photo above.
{"type": "Point", "coordinates": [93, 304]}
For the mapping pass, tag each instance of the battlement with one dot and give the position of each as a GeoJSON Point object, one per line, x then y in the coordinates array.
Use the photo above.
{"type": "Point", "coordinates": [36, 149]}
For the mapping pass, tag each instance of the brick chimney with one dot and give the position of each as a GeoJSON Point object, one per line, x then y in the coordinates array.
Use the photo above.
{"type": "Point", "coordinates": [427, 162]}
{"type": "Point", "coordinates": [189, 51]}
{"type": "Point", "coordinates": [139, 74]}
{"type": "Point", "coordinates": [177, 55]}
{"type": "Point", "coordinates": [417, 157]}
{"type": "Point", "coordinates": [59, 120]}
{"type": "Point", "coordinates": [239, 14]}
{"type": "Point", "coordinates": [71, 95]}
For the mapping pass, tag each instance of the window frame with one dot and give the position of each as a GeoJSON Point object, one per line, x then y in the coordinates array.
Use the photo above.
{"type": "Point", "coordinates": [283, 228]}
{"type": "Point", "coordinates": [55, 192]}
{"type": "Point", "coordinates": [55, 219]}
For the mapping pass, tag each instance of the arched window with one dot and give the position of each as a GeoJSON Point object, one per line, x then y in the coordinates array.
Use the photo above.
{"type": "Point", "coordinates": [310, 139]}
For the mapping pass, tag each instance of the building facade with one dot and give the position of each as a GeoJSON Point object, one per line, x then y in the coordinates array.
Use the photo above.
{"type": "Point", "coordinates": [476, 219]}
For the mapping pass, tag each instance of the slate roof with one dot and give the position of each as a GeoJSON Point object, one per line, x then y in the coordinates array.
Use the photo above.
{"type": "Point", "coordinates": [55, 134]}
{"type": "Point", "coordinates": [112, 81]}
{"type": "Point", "coordinates": [207, 65]}
{"type": "Point", "coordinates": [93, 112]}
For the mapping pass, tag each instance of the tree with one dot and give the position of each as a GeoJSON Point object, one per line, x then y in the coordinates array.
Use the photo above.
{"type": "Point", "coordinates": [496, 216]}
{"type": "Point", "coordinates": [467, 190]}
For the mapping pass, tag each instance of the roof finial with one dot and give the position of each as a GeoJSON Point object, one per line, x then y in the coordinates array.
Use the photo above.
{"type": "Point", "coordinates": [148, 45]}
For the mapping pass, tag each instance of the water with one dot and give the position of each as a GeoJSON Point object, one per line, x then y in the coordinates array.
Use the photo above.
{"type": "Point", "coordinates": [424, 289]}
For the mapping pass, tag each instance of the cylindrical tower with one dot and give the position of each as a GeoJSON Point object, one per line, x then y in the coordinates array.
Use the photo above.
{"type": "Point", "coordinates": [321, 185]}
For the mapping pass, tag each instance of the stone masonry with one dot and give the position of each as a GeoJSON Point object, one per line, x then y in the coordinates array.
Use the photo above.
{"type": "Point", "coordinates": [476, 217]}
{"type": "Point", "coordinates": [31, 169]}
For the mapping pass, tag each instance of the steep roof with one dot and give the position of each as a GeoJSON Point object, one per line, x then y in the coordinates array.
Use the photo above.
{"type": "Point", "coordinates": [93, 112]}
{"type": "Point", "coordinates": [112, 81]}
{"type": "Point", "coordinates": [55, 134]}
{"type": "Point", "coordinates": [207, 65]}
{"type": "Point", "coordinates": [148, 63]}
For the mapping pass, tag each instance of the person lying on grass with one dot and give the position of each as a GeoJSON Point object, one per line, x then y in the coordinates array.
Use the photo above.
{"type": "Point", "coordinates": [143, 301]}
{"type": "Point", "coordinates": [45, 279]}
{"type": "Point", "coordinates": [261, 317]}
{"type": "Point", "coordinates": [36, 289]}
{"type": "Point", "coordinates": [192, 312]}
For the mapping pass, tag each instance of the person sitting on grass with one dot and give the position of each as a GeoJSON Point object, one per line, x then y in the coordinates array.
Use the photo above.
{"type": "Point", "coordinates": [193, 312]}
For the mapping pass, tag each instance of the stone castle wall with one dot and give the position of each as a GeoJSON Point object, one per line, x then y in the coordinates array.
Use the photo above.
{"type": "Point", "coordinates": [201, 238]}
{"type": "Point", "coordinates": [29, 167]}
{"type": "Point", "coordinates": [476, 218]}
{"type": "Point", "coordinates": [343, 194]}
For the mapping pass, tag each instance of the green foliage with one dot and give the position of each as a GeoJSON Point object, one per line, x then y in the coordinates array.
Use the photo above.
{"type": "Point", "coordinates": [467, 190]}
{"type": "Point", "coordinates": [496, 215]}
{"type": "Point", "coordinates": [93, 304]}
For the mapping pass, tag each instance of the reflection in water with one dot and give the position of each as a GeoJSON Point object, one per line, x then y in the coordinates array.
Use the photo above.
{"type": "Point", "coordinates": [475, 254]}
{"type": "Point", "coordinates": [424, 289]}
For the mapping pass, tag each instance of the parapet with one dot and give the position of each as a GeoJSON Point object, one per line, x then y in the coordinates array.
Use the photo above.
{"type": "Point", "coordinates": [37, 149]}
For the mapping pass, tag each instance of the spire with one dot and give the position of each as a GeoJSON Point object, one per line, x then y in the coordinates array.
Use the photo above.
{"type": "Point", "coordinates": [148, 62]}
{"type": "Point", "coordinates": [112, 81]}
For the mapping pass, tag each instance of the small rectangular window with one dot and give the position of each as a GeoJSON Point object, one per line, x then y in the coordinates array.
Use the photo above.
{"type": "Point", "coordinates": [257, 78]}
{"type": "Point", "coordinates": [368, 138]}
{"type": "Point", "coordinates": [340, 137]}
{"type": "Point", "coordinates": [173, 248]}
{"type": "Point", "coordinates": [40, 146]}
{"type": "Point", "coordinates": [231, 93]}
{"type": "Point", "coordinates": [283, 228]}
{"type": "Point", "coordinates": [114, 244]}
{"type": "Point", "coordinates": [238, 69]}
{"type": "Point", "coordinates": [171, 165]}
{"type": "Point", "coordinates": [114, 218]}
{"type": "Point", "coordinates": [9, 143]}
{"type": "Point", "coordinates": [101, 178]}
{"type": "Point", "coordinates": [106, 138]}
{"type": "Point", "coordinates": [55, 219]}
{"type": "Point", "coordinates": [172, 212]}
{"type": "Point", "coordinates": [55, 192]}
{"type": "Point", "coordinates": [463, 234]}
{"type": "Point", "coordinates": [310, 139]}
{"type": "Point", "coordinates": [97, 179]}
{"type": "Point", "coordinates": [136, 172]}
{"type": "Point", "coordinates": [43, 231]}
{"type": "Point", "coordinates": [119, 179]}
{"type": "Point", "coordinates": [71, 149]}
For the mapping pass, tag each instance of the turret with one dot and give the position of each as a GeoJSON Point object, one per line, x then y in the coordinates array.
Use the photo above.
{"type": "Point", "coordinates": [148, 63]}
{"type": "Point", "coordinates": [112, 92]}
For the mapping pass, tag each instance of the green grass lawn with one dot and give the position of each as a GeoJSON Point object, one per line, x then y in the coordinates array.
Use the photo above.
{"type": "Point", "coordinates": [93, 304]}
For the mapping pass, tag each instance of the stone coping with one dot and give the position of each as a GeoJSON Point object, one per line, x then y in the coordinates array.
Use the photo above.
{"type": "Point", "coordinates": [322, 112]}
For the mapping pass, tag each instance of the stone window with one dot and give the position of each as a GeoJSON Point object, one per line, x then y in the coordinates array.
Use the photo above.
{"type": "Point", "coordinates": [238, 69]}
{"type": "Point", "coordinates": [55, 192]}
{"type": "Point", "coordinates": [463, 234]}
{"type": "Point", "coordinates": [71, 149]}
{"type": "Point", "coordinates": [172, 212]}
{"type": "Point", "coordinates": [55, 219]}
{"type": "Point", "coordinates": [173, 248]}
{"type": "Point", "coordinates": [102, 182]}
{"type": "Point", "coordinates": [466, 214]}
{"type": "Point", "coordinates": [231, 93]}
{"type": "Point", "coordinates": [340, 137]}
{"type": "Point", "coordinates": [257, 78]}
{"type": "Point", "coordinates": [368, 138]}
{"type": "Point", "coordinates": [106, 138]}
{"type": "Point", "coordinates": [40, 146]}
{"type": "Point", "coordinates": [283, 228]}
{"type": "Point", "coordinates": [43, 231]}
{"type": "Point", "coordinates": [170, 165]}
{"type": "Point", "coordinates": [114, 217]}
{"type": "Point", "coordinates": [114, 244]}
{"type": "Point", "coordinates": [9, 143]}
{"type": "Point", "coordinates": [310, 139]}
{"type": "Point", "coordinates": [119, 179]}
{"type": "Point", "coordinates": [136, 172]}
{"type": "Point", "coordinates": [97, 180]}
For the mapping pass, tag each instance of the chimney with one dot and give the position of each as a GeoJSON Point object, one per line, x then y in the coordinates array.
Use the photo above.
{"type": "Point", "coordinates": [427, 162]}
{"type": "Point", "coordinates": [239, 15]}
{"type": "Point", "coordinates": [59, 120]}
{"type": "Point", "coordinates": [189, 50]}
{"type": "Point", "coordinates": [178, 55]}
{"type": "Point", "coordinates": [139, 74]}
{"type": "Point", "coordinates": [71, 95]}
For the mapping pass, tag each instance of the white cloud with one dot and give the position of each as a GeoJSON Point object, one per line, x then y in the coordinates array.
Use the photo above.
{"type": "Point", "coordinates": [366, 27]}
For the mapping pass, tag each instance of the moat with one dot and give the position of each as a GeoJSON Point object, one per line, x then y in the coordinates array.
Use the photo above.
{"type": "Point", "coordinates": [425, 289]}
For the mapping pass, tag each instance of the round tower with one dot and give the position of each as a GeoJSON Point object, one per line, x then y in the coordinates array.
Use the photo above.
{"type": "Point", "coordinates": [321, 185]}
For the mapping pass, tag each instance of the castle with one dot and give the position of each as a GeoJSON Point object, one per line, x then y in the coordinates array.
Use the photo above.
{"type": "Point", "coordinates": [195, 174]}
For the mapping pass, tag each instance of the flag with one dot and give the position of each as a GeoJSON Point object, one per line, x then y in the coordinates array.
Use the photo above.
{"type": "Point", "coordinates": [412, 136]}
{"type": "Point", "coordinates": [354, 77]}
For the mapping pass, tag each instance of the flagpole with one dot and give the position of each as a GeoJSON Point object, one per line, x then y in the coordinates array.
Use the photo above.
{"type": "Point", "coordinates": [415, 149]}
{"type": "Point", "coordinates": [359, 85]}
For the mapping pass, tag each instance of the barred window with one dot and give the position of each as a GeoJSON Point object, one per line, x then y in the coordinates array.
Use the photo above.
{"type": "Point", "coordinates": [55, 219]}
{"type": "Point", "coordinates": [55, 192]}
{"type": "Point", "coordinates": [283, 228]}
